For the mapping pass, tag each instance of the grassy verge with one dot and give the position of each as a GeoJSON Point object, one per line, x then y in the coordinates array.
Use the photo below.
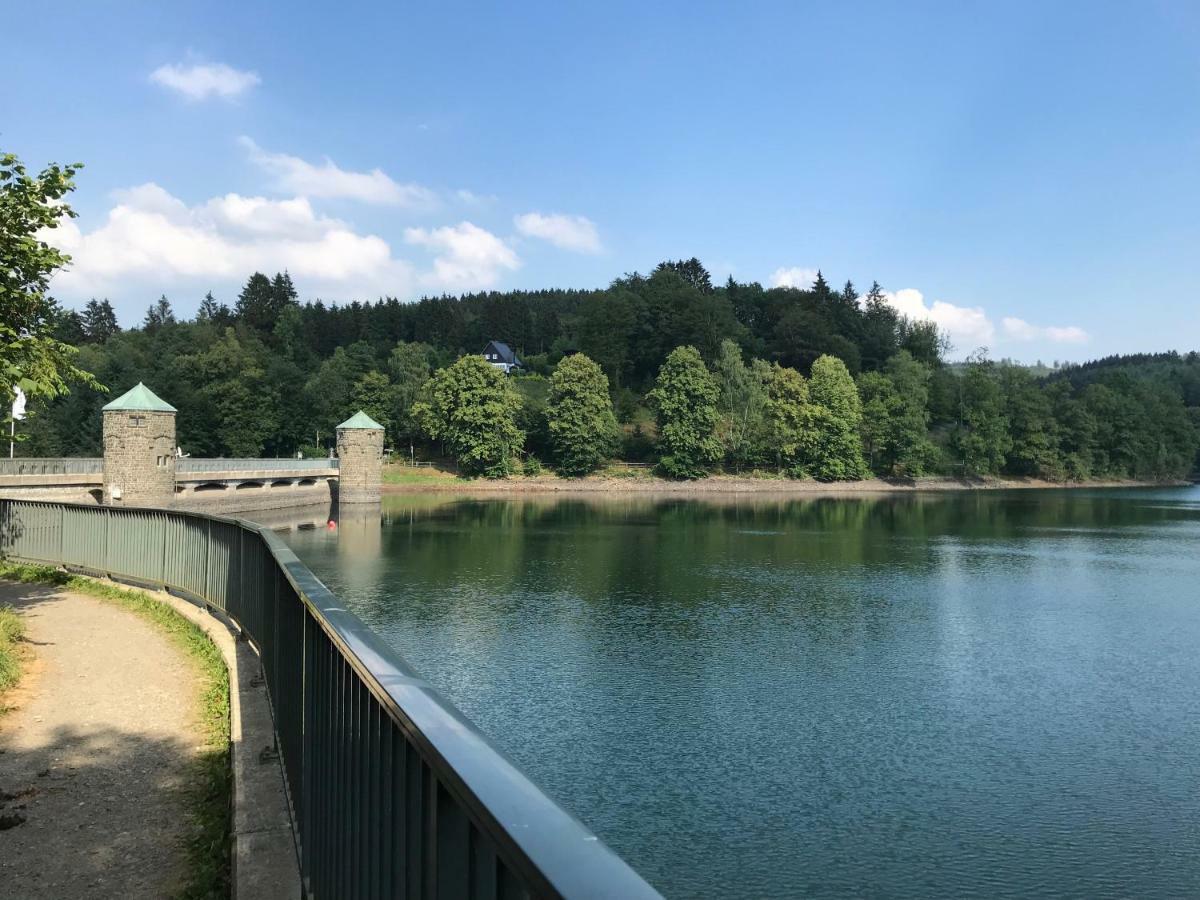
{"type": "Point", "coordinates": [208, 843]}
{"type": "Point", "coordinates": [406, 475]}
{"type": "Point", "coordinates": [12, 629]}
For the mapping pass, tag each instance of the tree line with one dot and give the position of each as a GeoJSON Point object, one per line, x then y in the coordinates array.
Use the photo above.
{"type": "Point", "coordinates": [664, 368]}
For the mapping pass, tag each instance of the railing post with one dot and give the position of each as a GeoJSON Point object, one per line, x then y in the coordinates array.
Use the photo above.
{"type": "Point", "coordinates": [107, 542]}
{"type": "Point", "coordinates": [162, 569]}
{"type": "Point", "coordinates": [208, 565]}
{"type": "Point", "coordinates": [306, 743]}
{"type": "Point", "coordinates": [62, 528]}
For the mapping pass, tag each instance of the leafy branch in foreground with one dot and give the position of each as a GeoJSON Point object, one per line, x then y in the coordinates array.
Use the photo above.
{"type": "Point", "coordinates": [31, 357]}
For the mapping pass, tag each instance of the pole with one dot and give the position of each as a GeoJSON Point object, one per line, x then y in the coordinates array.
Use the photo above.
{"type": "Point", "coordinates": [12, 437]}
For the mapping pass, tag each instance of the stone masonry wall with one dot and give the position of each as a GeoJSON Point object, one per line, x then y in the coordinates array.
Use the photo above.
{"type": "Point", "coordinates": [360, 466]}
{"type": "Point", "coordinates": [139, 457]}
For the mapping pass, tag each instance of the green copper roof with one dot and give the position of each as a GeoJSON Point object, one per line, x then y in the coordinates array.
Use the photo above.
{"type": "Point", "coordinates": [142, 399]}
{"type": "Point", "coordinates": [360, 420]}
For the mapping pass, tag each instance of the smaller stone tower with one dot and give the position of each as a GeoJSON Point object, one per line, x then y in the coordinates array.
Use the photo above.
{"type": "Point", "coordinates": [139, 450]}
{"type": "Point", "coordinates": [360, 459]}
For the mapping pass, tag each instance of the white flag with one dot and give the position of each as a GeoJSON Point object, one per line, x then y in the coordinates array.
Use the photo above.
{"type": "Point", "coordinates": [18, 410]}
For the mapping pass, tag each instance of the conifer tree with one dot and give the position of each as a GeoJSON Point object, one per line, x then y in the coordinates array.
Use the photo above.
{"type": "Point", "coordinates": [99, 321]}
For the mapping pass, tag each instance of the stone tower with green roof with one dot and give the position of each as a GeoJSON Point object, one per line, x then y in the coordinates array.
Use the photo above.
{"type": "Point", "coordinates": [139, 450]}
{"type": "Point", "coordinates": [360, 459]}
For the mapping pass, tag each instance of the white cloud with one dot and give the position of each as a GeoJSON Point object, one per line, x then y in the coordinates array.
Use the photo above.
{"type": "Point", "coordinates": [968, 326]}
{"type": "Point", "coordinates": [470, 198]}
{"type": "Point", "coordinates": [795, 277]}
{"type": "Point", "coordinates": [467, 256]}
{"type": "Point", "coordinates": [1020, 330]}
{"type": "Point", "coordinates": [297, 176]}
{"type": "Point", "coordinates": [203, 80]}
{"type": "Point", "coordinates": [566, 232]}
{"type": "Point", "coordinates": [155, 238]}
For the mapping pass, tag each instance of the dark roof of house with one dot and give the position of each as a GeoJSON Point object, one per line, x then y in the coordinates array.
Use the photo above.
{"type": "Point", "coordinates": [504, 351]}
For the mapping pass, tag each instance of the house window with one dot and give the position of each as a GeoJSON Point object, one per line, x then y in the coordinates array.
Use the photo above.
{"type": "Point", "coordinates": [137, 421]}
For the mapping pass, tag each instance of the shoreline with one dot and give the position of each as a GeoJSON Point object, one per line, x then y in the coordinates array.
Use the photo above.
{"type": "Point", "coordinates": [723, 484]}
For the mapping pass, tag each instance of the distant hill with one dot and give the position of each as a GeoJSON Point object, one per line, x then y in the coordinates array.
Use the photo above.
{"type": "Point", "coordinates": [1182, 370]}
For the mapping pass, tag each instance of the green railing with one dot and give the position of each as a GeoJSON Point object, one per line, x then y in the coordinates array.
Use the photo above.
{"type": "Point", "coordinates": [394, 792]}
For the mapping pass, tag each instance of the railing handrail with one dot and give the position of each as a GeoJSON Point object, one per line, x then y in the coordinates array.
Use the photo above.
{"type": "Point", "coordinates": [186, 464]}
{"type": "Point", "coordinates": [553, 853]}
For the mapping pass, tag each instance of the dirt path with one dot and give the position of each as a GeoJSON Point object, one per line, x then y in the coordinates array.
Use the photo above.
{"type": "Point", "coordinates": [95, 757]}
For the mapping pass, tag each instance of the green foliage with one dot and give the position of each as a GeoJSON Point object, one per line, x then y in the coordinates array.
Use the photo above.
{"type": "Point", "coordinates": [743, 403]}
{"type": "Point", "coordinates": [31, 355]}
{"type": "Point", "coordinates": [263, 301]}
{"type": "Point", "coordinates": [410, 366]}
{"type": "Point", "coordinates": [582, 426]}
{"type": "Point", "coordinates": [277, 374]}
{"type": "Point", "coordinates": [159, 315]}
{"type": "Point", "coordinates": [836, 420]}
{"type": "Point", "coordinates": [243, 401]}
{"type": "Point", "coordinates": [12, 630]}
{"type": "Point", "coordinates": [685, 399]}
{"type": "Point", "coordinates": [981, 440]}
{"type": "Point", "coordinates": [99, 321]}
{"type": "Point", "coordinates": [372, 394]}
{"type": "Point", "coordinates": [471, 408]}
{"type": "Point", "coordinates": [895, 417]}
{"type": "Point", "coordinates": [1033, 429]}
{"type": "Point", "coordinates": [532, 467]}
{"type": "Point", "coordinates": [1141, 429]}
{"type": "Point", "coordinates": [789, 419]}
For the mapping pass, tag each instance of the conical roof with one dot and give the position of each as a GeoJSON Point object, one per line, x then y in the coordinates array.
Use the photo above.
{"type": "Point", "coordinates": [140, 399]}
{"type": "Point", "coordinates": [360, 420]}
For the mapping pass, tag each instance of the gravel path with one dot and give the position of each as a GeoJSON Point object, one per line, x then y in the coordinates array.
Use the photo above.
{"type": "Point", "coordinates": [94, 760]}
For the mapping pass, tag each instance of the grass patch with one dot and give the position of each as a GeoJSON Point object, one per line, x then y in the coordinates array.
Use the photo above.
{"type": "Point", "coordinates": [618, 470]}
{"type": "Point", "coordinates": [12, 629]}
{"type": "Point", "coordinates": [208, 873]}
{"type": "Point", "coordinates": [409, 475]}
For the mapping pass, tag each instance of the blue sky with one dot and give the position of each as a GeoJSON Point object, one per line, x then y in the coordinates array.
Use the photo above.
{"type": "Point", "coordinates": [1026, 173]}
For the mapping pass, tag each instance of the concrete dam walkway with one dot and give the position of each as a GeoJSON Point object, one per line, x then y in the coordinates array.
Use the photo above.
{"type": "Point", "coordinates": [95, 758]}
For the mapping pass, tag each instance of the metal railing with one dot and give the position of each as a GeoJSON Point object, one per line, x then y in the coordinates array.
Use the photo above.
{"type": "Point", "coordinates": [187, 464]}
{"type": "Point", "coordinates": [394, 792]}
{"type": "Point", "coordinates": [48, 466]}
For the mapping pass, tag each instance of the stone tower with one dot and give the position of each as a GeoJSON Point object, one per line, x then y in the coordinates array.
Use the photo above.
{"type": "Point", "coordinates": [139, 450]}
{"type": "Point", "coordinates": [360, 459]}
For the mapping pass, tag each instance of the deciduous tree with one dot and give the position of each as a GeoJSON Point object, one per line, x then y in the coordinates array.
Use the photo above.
{"type": "Point", "coordinates": [685, 399]}
{"type": "Point", "coordinates": [837, 455]}
{"type": "Point", "coordinates": [471, 408]}
{"type": "Point", "coordinates": [31, 357]}
{"type": "Point", "coordinates": [583, 429]}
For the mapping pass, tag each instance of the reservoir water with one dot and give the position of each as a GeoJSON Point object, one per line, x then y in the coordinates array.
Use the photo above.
{"type": "Point", "coordinates": [947, 695]}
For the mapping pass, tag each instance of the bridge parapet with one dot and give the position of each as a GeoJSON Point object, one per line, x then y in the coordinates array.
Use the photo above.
{"type": "Point", "coordinates": [188, 465]}
{"type": "Point", "coordinates": [17, 468]}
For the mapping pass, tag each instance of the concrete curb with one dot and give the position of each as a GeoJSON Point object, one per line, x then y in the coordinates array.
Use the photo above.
{"type": "Point", "coordinates": [264, 847]}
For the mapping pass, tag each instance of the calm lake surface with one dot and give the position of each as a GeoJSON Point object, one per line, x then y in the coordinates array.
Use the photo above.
{"type": "Point", "coordinates": [954, 695]}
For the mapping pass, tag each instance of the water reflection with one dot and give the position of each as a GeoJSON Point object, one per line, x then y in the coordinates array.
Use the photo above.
{"type": "Point", "coordinates": [987, 693]}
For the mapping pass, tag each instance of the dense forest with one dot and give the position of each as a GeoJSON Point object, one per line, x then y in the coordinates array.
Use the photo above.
{"type": "Point", "coordinates": [695, 377]}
